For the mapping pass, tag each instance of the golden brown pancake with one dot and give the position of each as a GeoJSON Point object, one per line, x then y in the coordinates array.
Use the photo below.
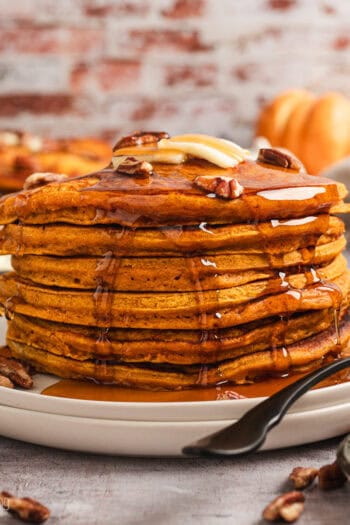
{"type": "Point", "coordinates": [35, 154]}
{"type": "Point", "coordinates": [169, 197]}
{"type": "Point", "coordinates": [307, 353]}
{"type": "Point", "coordinates": [274, 237]}
{"type": "Point", "coordinates": [145, 274]}
{"type": "Point", "coordinates": [206, 310]}
{"type": "Point", "coordinates": [168, 346]}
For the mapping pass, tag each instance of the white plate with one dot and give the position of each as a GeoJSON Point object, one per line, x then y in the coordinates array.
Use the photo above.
{"type": "Point", "coordinates": [157, 429]}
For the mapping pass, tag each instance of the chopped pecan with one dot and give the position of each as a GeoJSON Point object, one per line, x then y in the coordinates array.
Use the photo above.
{"type": "Point", "coordinates": [5, 381]}
{"type": "Point", "coordinates": [26, 509]}
{"type": "Point", "coordinates": [139, 138]}
{"type": "Point", "coordinates": [16, 372]}
{"type": "Point", "coordinates": [225, 187]}
{"type": "Point", "coordinates": [331, 477]}
{"type": "Point", "coordinates": [41, 179]}
{"type": "Point", "coordinates": [133, 166]}
{"type": "Point", "coordinates": [288, 507]}
{"type": "Point", "coordinates": [228, 394]}
{"type": "Point", "coordinates": [302, 477]}
{"type": "Point", "coordinates": [280, 157]}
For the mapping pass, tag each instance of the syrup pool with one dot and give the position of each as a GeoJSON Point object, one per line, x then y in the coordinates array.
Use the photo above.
{"type": "Point", "coordinates": [73, 389]}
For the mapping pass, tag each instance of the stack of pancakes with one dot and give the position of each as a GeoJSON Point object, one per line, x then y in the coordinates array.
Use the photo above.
{"type": "Point", "coordinates": [22, 154]}
{"type": "Point", "coordinates": [156, 282]}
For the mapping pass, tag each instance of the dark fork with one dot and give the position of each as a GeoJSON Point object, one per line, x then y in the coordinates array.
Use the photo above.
{"type": "Point", "coordinates": [249, 432]}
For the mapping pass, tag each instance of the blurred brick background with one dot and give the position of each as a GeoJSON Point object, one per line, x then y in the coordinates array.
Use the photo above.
{"type": "Point", "coordinates": [109, 67]}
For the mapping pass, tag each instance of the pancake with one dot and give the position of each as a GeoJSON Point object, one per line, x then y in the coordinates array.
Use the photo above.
{"type": "Point", "coordinates": [188, 310]}
{"type": "Point", "coordinates": [308, 353]}
{"type": "Point", "coordinates": [170, 197]}
{"type": "Point", "coordinates": [182, 273]}
{"type": "Point", "coordinates": [168, 346]}
{"type": "Point", "coordinates": [21, 154]}
{"type": "Point", "coordinates": [273, 237]}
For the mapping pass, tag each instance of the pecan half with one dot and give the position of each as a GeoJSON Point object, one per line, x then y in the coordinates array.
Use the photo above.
{"type": "Point", "coordinates": [133, 166]}
{"type": "Point", "coordinates": [16, 372]}
{"type": "Point", "coordinates": [331, 477]}
{"type": "Point", "coordinates": [225, 187]}
{"type": "Point", "coordinates": [6, 382]}
{"type": "Point", "coordinates": [41, 179]}
{"type": "Point", "coordinates": [26, 509]}
{"type": "Point", "coordinates": [139, 138]}
{"type": "Point", "coordinates": [280, 157]}
{"type": "Point", "coordinates": [288, 507]}
{"type": "Point", "coordinates": [302, 477]}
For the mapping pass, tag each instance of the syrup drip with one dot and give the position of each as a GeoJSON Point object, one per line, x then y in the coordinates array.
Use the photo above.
{"type": "Point", "coordinates": [279, 353]}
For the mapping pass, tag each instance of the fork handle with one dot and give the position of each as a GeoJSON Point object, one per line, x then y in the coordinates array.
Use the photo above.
{"type": "Point", "coordinates": [249, 432]}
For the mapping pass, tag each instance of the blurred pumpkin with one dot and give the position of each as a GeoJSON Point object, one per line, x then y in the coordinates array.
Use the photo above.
{"type": "Point", "coordinates": [316, 129]}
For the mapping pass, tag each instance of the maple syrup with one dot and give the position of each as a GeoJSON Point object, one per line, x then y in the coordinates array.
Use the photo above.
{"type": "Point", "coordinates": [73, 389]}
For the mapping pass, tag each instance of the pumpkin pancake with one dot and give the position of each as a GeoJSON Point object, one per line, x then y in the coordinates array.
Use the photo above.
{"type": "Point", "coordinates": [273, 237]}
{"type": "Point", "coordinates": [21, 154]}
{"type": "Point", "coordinates": [167, 346]}
{"type": "Point", "coordinates": [205, 310]}
{"type": "Point", "coordinates": [308, 353]}
{"type": "Point", "coordinates": [170, 197]}
{"type": "Point", "coordinates": [182, 273]}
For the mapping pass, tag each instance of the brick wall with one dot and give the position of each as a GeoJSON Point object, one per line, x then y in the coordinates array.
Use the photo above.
{"type": "Point", "coordinates": [108, 67]}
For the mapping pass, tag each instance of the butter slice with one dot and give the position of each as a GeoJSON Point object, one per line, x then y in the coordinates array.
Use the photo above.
{"type": "Point", "coordinates": [166, 156]}
{"type": "Point", "coordinates": [222, 153]}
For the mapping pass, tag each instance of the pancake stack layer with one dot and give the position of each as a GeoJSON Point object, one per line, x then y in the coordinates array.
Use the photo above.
{"type": "Point", "coordinates": [21, 154]}
{"type": "Point", "coordinates": [177, 275]}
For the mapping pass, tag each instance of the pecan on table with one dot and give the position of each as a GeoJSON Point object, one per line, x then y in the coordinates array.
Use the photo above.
{"type": "Point", "coordinates": [26, 509]}
{"type": "Point", "coordinates": [331, 477]}
{"type": "Point", "coordinates": [302, 477]}
{"type": "Point", "coordinates": [288, 507]}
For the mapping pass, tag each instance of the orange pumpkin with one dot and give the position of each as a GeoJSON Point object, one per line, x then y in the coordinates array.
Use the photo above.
{"type": "Point", "coordinates": [316, 129]}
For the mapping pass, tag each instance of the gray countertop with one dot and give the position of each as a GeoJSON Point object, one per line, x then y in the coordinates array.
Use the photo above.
{"type": "Point", "coordinates": [100, 490]}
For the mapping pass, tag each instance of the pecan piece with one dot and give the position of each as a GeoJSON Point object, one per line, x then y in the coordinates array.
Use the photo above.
{"type": "Point", "coordinates": [288, 507]}
{"type": "Point", "coordinates": [6, 382]}
{"type": "Point", "coordinates": [331, 477]}
{"type": "Point", "coordinates": [16, 372]}
{"type": "Point", "coordinates": [280, 157]}
{"type": "Point", "coordinates": [133, 166]}
{"type": "Point", "coordinates": [302, 477]}
{"type": "Point", "coordinates": [26, 509]}
{"type": "Point", "coordinates": [139, 138]}
{"type": "Point", "coordinates": [224, 187]}
{"type": "Point", "coordinates": [229, 394]}
{"type": "Point", "coordinates": [41, 179]}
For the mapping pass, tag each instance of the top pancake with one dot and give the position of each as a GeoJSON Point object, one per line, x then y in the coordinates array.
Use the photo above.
{"type": "Point", "coordinates": [170, 197]}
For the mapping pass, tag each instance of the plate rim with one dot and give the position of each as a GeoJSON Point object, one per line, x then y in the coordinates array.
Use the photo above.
{"type": "Point", "coordinates": [328, 396]}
